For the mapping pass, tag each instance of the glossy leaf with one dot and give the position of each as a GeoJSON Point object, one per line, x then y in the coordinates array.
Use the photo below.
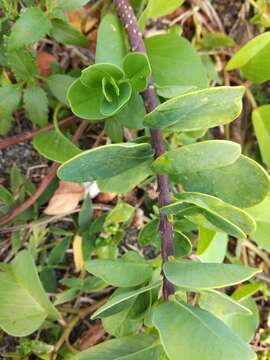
{"type": "Point", "coordinates": [181, 244]}
{"type": "Point", "coordinates": [261, 123]}
{"type": "Point", "coordinates": [111, 46]}
{"type": "Point", "coordinates": [31, 26]}
{"type": "Point", "coordinates": [253, 59]}
{"type": "Point", "coordinates": [24, 304]}
{"type": "Point", "coordinates": [197, 157]}
{"type": "Point", "coordinates": [123, 297]}
{"type": "Point", "coordinates": [261, 214]}
{"type": "Point", "coordinates": [196, 275]}
{"type": "Point", "coordinates": [124, 272]}
{"type": "Point", "coordinates": [129, 347]}
{"type": "Point", "coordinates": [243, 183]}
{"type": "Point", "coordinates": [198, 110]}
{"type": "Point", "coordinates": [137, 69]}
{"type": "Point", "coordinates": [105, 162]}
{"type": "Point", "coordinates": [194, 332]}
{"type": "Point", "coordinates": [149, 233]}
{"type": "Point", "coordinates": [174, 61]}
{"type": "Point", "coordinates": [64, 33]}
{"type": "Point", "coordinates": [53, 145]}
{"type": "Point", "coordinates": [36, 104]}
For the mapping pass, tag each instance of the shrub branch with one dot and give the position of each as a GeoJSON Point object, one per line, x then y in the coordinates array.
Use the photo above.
{"type": "Point", "coordinates": [128, 18]}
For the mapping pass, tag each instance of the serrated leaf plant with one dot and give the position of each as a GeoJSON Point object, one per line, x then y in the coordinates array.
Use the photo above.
{"type": "Point", "coordinates": [138, 85]}
{"type": "Point", "coordinates": [21, 29]}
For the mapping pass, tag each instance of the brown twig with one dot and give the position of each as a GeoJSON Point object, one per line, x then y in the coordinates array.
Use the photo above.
{"type": "Point", "coordinates": [12, 214]}
{"type": "Point", "coordinates": [27, 136]}
{"type": "Point", "coordinates": [128, 18]}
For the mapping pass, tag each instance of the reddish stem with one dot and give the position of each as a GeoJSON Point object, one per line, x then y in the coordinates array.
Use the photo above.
{"type": "Point", "coordinates": [128, 18]}
{"type": "Point", "coordinates": [27, 136]}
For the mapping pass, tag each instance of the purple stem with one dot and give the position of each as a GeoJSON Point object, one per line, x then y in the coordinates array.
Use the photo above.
{"type": "Point", "coordinates": [128, 18]}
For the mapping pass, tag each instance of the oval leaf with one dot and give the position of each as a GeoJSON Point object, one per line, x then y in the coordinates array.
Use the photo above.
{"type": "Point", "coordinates": [243, 183]}
{"type": "Point", "coordinates": [197, 157]}
{"type": "Point", "coordinates": [129, 348]}
{"type": "Point", "coordinates": [197, 334]}
{"type": "Point", "coordinates": [104, 162]}
{"type": "Point", "coordinates": [130, 270]}
{"type": "Point", "coordinates": [226, 217]}
{"type": "Point", "coordinates": [198, 110]}
{"type": "Point", "coordinates": [195, 275]}
{"type": "Point", "coordinates": [115, 301]}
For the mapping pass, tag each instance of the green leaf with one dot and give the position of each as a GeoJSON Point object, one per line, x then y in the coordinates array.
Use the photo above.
{"type": "Point", "coordinates": [10, 96]}
{"type": "Point", "coordinates": [195, 275]}
{"type": "Point", "coordinates": [85, 214]}
{"type": "Point", "coordinates": [169, 91]}
{"type": "Point", "coordinates": [261, 214]}
{"type": "Point", "coordinates": [181, 244]}
{"type": "Point", "coordinates": [126, 181]}
{"type": "Point", "coordinates": [24, 304]}
{"type": "Point", "coordinates": [5, 196]}
{"type": "Point", "coordinates": [137, 69]}
{"type": "Point", "coordinates": [212, 246]}
{"type": "Point", "coordinates": [194, 332]}
{"type": "Point", "coordinates": [158, 8]}
{"type": "Point", "coordinates": [105, 162]}
{"type": "Point", "coordinates": [64, 33]}
{"type": "Point", "coordinates": [149, 233]}
{"type": "Point", "coordinates": [31, 26]}
{"type": "Point", "coordinates": [243, 183]}
{"type": "Point", "coordinates": [244, 326]}
{"type": "Point", "coordinates": [261, 123]}
{"type": "Point", "coordinates": [68, 5]}
{"type": "Point", "coordinates": [124, 272]}
{"type": "Point", "coordinates": [59, 84]}
{"type": "Point", "coordinates": [120, 324]}
{"type": "Point", "coordinates": [121, 213]}
{"type": "Point", "coordinates": [197, 157]}
{"type": "Point", "coordinates": [22, 64]}
{"type": "Point", "coordinates": [109, 93]}
{"type": "Point", "coordinates": [253, 59]}
{"type": "Point", "coordinates": [225, 217]}
{"type": "Point", "coordinates": [247, 290]}
{"type": "Point", "coordinates": [134, 347]}
{"type": "Point", "coordinates": [221, 304]}
{"type": "Point", "coordinates": [111, 46]}
{"type": "Point", "coordinates": [55, 146]}
{"type": "Point", "coordinates": [114, 130]}
{"type": "Point", "coordinates": [214, 40]}
{"type": "Point", "coordinates": [175, 62]}
{"type": "Point", "coordinates": [122, 297]}
{"type": "Point", "coordinates": [132, 114]}
{"type": "Point", "coordinates": [36, 105]}
{"type": "Point", "coordinates": [58, 253]}
{"type": "Point", "coordinates": [198, 110]}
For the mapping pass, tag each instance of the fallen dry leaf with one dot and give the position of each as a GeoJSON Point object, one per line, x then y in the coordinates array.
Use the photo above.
{"type": "Point", "coordinates": [44, 61]}
{"type": "Point", "coordinates": [106, 198]}
{"type": "Point", "coordinates": [77, 253]}
{"type": "Point", "coordinates": [65, 199]}
{"type": "Point", "coordinates": [92, 336]}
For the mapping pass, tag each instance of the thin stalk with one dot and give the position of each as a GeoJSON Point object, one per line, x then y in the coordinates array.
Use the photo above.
{"type": "Point", "coordinates": [128, 18]}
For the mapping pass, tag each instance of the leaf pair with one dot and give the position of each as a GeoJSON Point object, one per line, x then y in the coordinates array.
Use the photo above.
{"type": "Point", "coordinates": [104, 88]}
{"type": "Point", "coordinates": [205, 209]}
